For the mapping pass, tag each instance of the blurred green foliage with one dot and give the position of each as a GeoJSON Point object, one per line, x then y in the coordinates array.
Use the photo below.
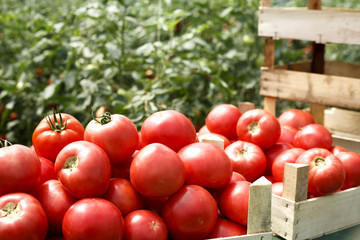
{"type": "Point", "coordinates": [133, 57]}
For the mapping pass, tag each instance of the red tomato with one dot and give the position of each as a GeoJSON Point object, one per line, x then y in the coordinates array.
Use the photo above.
{"type": "Point", "coordinates": [226, 228]}
{"type": "Point", "coordinates": [295, 118]}
{"type": "Point", "coordinates": [234, 202]}
{"type": "Point", "coordinates": [287, 156]}
{"type": "Point", "coordinates": [337, 149]}
{"type": "Point", "coordinates": [203, 129]}
{"type": "Point", "coordinates": [20, 169]}
{"type": "Point", "coordinates": [55, 132]}
{"type": "Point", "coordinates": [247, 159]}
{"type": "Point", "coordinates": [168, 127]}
{"type": "Point", "coordinates": [22, 217]}
{"type": "Point", "coordinates": [206, 165]}
{"type": "Point", "coordinates": [47, 170]}
{"type": "Point", "coordinates": [273, 152]}
{"type": "Point", "coordinates": [277, 188]}
{"type": "Point", "coordinates": [237, 177]}
{"type": "Point", "coordinates": [123, 195]}
{"type": "Point", "coordinates": [93, 218]}
{"type": "Point", "coordinates": [223, 119]}
{"type": "Point", "coordinates": [116, 134]}
{"type": "Point", "coordinates": [121, 170]}
{"type": "Point", "coordinates": [83, 168]}
{"type": "Point", "coordinates": [145, 225]}
{"type": "Point", "coordinates": [351, 163]}
{"type": "Point", "coordinates": [313, 136]}
{"type": "Point", "coordinates": [190, 213]}
{"type": "Point", "coordinates": [326, 172]}
{"type": "Point", "coordinates": [155, 204]}
{"type": "Point", "coordinates": [55, 201]}
{"type": "Point", "coordinates": [157, 171]}
{"type": "Point", "coordinates": [287, 134]}
{"type": "Point", "coordinates": [259, 127]}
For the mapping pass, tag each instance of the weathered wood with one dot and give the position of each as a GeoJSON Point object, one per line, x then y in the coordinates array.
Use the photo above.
{"type": "Point", "coordinates": [295, 181]}
{"type": "Point", "coordinates": [343, 121]}
{"type": "Point", "coordinates": [259, 213]}
{"type": "Point", "coordinates": [257, 236]}
{"type": "Point", "coordinates": [270, 105]}
{"type": "Point", "coordinates": [211, 138]}
{"type": "Point", "coordinates": [311, 88]}
{"type": "Point", "coordinates": [325, 26]}
{"type": "Point", "coordinates": [244, 106]}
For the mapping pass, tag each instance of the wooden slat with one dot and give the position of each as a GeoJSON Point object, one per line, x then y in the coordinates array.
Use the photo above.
{"type": "Point", "coordinates": [325, 26]}
{"type": "Point", "coordinates": [257, 236]}
{"type": "Point", "coordinates": [311, 88]}
{"type": "Point", "coordinates": [343, 121]}
{"type": "Point", "coordinates": [295, 181]}
{"type": "Point", "coordinates": [302, 66]}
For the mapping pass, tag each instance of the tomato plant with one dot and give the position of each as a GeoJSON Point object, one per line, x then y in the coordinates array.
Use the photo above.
{"type": "Point", "coordinates": [247, 159]}
{"type": "Point", "coordinates": [326, 172]}
{"type": "Point", "coordinates": [157, 171]}
{"type": "Point", "coordinates": [351, 161]}
{"type": "Point", "coordinates": [116, 134]}
{"type": "Point", "coordinates": [93, 218]}
{"type": "Point", "coordinates": [22, 216]}
{"type": "Point", "coordinates": [259, 127]}
{"type": "Point", "coordinates": [83, 168]}
{"type": "Point", "coordinates": [313, 136]}
{"type": "Point", "coordinates": [295, 118]}
{"type": "Point", "coordinates": [55, 132]}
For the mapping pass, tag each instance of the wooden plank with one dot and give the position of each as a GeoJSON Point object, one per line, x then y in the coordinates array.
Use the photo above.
{"type": "Point", "coordinates": [350, 143]}
{"type": "Point", "coordinates": [311, 88]}
{"type": "Point", "coordinates": [211, 138]}
{"type": "Point", "coordinates": [257, 236]}
{"type": "Point", "coordinates": [325, 26]}
{"type": "Point", "coordinates": [295, 181]}
{"type": "Point", "coordinates": [270, 105]}
{"type": "Point", "coordinates": [302, 66]}
{"type": "Point", "coordinates": [318, 216]}
{"type": "Point", "coordinates": [244, 106]}
{"type": "Point", "coordinates": [259, 213]}
{"type": "Point", "coordinates": [342, 121]}
{"type": "Point", "coordinates": [317, 112]}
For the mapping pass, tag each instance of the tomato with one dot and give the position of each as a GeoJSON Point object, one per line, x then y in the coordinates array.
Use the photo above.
{"type": "Point", "coordinates": [226, 228]}
{"type": "Point", "coordinates": [155, 204]}
{"type": "Point", "coordinates": [273, 152]}
{"type": "Point", "coordinates": [287, 134]}
{"type": "Point", "coordinates": [259, 127]}
{"type": "Point", "coordinates": [313, 136]}
{"type": "Point", "coordinates": [116, 134]}
{"type": "Point", "coordinates": [168, 127]}
{"type": "Point", "coordinates": [55, 201]}
{"type": "Point", "coordinates": [22, 217]}
{"type": "Point", "coordinates": [214, 136]}
{"type": "Point", "coordinates": [203, 129]}
{"type": "Point", "coordinates": [123, 195]}
{"type": "Point", "coordinates": [145, 225]}
{"type": "Point", "coordinates": [326, 172]}
{"type": "Point", "coordinates": [234, 201]}
{"type": "Point", "coordinates": [157, 171]}
{"type": "Point", "coordinates": [287, 156]}
{"type": "Point", "coordinates": [223, 119]}
{"type": "Point", "coordinates": [237, 177]}
{"type": "Point", "coordinates": [206, 165]}
{"type": "Point", "coordinates": [83, 168]}
{"type": "Point", "coordinates": [55, 132]}
{"type": "Point", "coordinates": [93, 218]}
{"type": "Point", "coordinates": [351, 161]}
{"type": "Point", "coordinates": [247, 159]}
{"type": "Point", "coordinates": [296, 118]}
{"type": "Point", "coordinates": [190, 213]}
{"type": "Point", "coordinates": [337, 149]}
{"type": "Point", "coordinates": [20, 169]}
{"type": "Point", "coordinates": [277, 188]}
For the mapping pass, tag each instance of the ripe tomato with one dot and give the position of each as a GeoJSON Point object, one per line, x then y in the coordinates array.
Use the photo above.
{"type": "Point", "coordinates": [206, 165]}
{"type": "Point", "coordinates": [157, 171]}
{"type": "Point", "coordinates": [259, 127]}
{"type": "Point", "coordinates": [273, 152]}
{"type": "Point", "coordinates": [190, 213]}
{"type": "Point", "coordinates": [168, 127]}
{"type": "Point", "coordinates": [83, 168]}
{"type": "Point", "coordinates": [223, 119]}
{"type": "Point", "coordinates": [313, 136]}
{"type": "Point", "coordinates": [351, 161]}
{"type": "Point", "coordinates": [295, 118]}
{"type": "Point", "coordinates": [116, 134]}
{"type": "Point", "coordinates": [47, 170]}
{"type": "Point", "coordinates": [247, 159]}
{"type": "Point", "coordinates": [237, 177]}
{"type": "Point", "coordinates": [55, 201]}
{"type": "Point", "coordinates": [287, 156]}
{"type": "Point", "coordinates": [277, 188]}
{"type": "Point", "coordinates": [226, 228]}
{"type": "Point", "coordinates": [93, 218]}
{"type": "Point", "coordinates": [337, 149]}
{"type": "Point", "coordinates": [326, 172]}
{"type": "Point", "coordinates": [234, 201]}
{"type": "Point", "coordinates": [123, 195]}
{"type": "Point", "coordinates": [145, 225]}
{"type": "Point", "coordinates": [20, 169]}
{"type": "Point", "coordinates": [22, 217]}
{"type": "Point", "coordinates": [287, 134]}
{"type": "Point", "coordinates": [55, 132]}
{"type": "Point", "coordinates": [203, 129]}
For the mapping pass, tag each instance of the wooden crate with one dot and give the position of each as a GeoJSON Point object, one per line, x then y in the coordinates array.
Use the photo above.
{"type": "Point", "coordinates": [295, 217]}
{"type": "Point", "coordinates": [331, 88]}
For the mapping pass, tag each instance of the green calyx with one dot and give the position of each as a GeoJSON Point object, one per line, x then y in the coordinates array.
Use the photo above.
{"type": "Point", "coordinates": [104, 119]}
{"type": "Point", "coordinates": [4, 143]}
{"type": "Point", "coordinates": [10, 210]}
{"type": "Point", "coordinates": [56, 125]}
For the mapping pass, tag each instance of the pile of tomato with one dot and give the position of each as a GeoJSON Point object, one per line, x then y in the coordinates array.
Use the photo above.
{"type": "Point", "coordinates": [108, 181]}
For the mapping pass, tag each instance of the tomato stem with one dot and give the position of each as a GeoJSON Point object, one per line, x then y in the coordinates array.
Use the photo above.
{"type": "Point", "coordinates": [319, 161]}
{"type": "Point", "coordinates": [56, 126]}
{"type": "Point", "coordinates": [254, 127]}
{"type": "Point", "coordinates": [4, 143]}
{"type": "Point", "coordinates": [71, 163]}
{"type": "Point", "coordinates": [104, 119]}
{"type": "Point", "coordinates": [10, 210]}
